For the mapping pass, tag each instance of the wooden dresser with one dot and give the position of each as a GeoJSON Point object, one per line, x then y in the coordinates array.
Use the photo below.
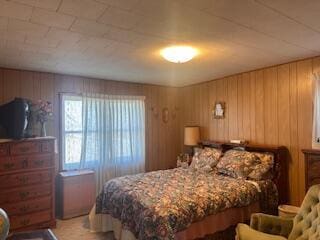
{"type": "Point", "coordinates": [312, 167]}
{"type": "Point", "coordinates": [27, 182]}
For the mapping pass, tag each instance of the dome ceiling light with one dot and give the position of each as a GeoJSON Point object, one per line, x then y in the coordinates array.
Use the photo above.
{"type": "Point", "coordinates": [179, 54]}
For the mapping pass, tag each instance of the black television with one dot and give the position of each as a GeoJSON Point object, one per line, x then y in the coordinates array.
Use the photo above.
{"type": "Point", "coordinates": [14, 118]}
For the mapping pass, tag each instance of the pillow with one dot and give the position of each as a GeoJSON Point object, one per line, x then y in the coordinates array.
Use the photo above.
{"type": "Point", "coordinates": [206, 159]}
{"type": "Point", "coordinates": [237, 164]}
{"type": "Point", "coordinates": [262, 170]}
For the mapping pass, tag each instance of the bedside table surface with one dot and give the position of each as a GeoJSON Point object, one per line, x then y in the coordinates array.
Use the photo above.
{"type": "Point", "coordinates": [288, 211]}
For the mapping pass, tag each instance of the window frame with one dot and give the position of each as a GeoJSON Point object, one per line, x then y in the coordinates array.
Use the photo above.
{"type": "Point", "coordinates": [316, 111]}
{"type": "Point", "coordinates": [62, 97]}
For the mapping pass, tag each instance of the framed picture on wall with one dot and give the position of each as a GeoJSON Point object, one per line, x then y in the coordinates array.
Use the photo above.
{"type": "Point", "coordinates": [219, 110]}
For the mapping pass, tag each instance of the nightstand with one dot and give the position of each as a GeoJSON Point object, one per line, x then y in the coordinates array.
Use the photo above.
{"type": "Point", "coordinates": [287, 211]}
{"type": "Point", "coordinates": [312, 167]}
{"type": "Point", "coordinates": [182, 164]}
{"type": "Point", "coordinates": [184, 160]}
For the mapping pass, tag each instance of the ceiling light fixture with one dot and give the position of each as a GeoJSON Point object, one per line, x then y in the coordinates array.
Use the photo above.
{"type": "Point", "coordinates": [179, 54]}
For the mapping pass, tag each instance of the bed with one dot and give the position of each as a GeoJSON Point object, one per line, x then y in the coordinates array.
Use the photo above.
{"type": "Point", "coordinates": [182, 203]}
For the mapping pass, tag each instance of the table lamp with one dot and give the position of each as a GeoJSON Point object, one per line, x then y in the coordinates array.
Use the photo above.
{"type": "Point", "coordinates": [191, 136]}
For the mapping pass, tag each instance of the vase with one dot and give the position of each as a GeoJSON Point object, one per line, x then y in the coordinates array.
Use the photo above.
{"type": "Point", "coordinates": [43, 132]}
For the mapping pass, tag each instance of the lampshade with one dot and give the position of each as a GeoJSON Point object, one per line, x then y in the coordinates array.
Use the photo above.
{"type": "Point", "coordinates": [191, 136]}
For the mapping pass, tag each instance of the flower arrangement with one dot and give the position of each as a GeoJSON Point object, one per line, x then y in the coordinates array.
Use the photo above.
{"type": "Point", "coordinates": [43, 111]}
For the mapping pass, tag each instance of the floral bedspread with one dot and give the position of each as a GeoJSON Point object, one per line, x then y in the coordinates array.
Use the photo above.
{"type": "Point", "coordinates": [158, 204]}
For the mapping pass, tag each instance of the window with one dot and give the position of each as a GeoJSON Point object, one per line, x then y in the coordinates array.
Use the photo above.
{"type": "Point", "coordinates": [316, 113]}
{"type": "Point", "coordinates": [71, 130]}
{"type": "Point", "coordinates": [102, 130]}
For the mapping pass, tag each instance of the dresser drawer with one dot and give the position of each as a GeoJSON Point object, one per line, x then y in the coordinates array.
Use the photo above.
{"type": "Point", "coordinates": [27, 177]}
{"type": "Point", "coordinates": [6, 164]}
{"type": "Point", "coordinates": [25, 162]}
{"type": "Point", "coordinates": [30, 219]}
{"type": "Point", "coordinates": [26, 193]}
{"type": "Point", "coordinates": [313, 181]}
{"type": "Point", "coordinates": [23, 179]}
{"type": "Point", "coordinates": [4, 150]}
{"type": "Point", "coordinates": [40, 161]}
{"type": "Point", "coordinates": [30, 206]}
{"type": "Point", "coordinates": [25, 148]}
{"type": "Point", "coordinates": [314, 157]}
{"type": "Point", "coordinates": [47, 147]}
{"type": "Point", "coordinates": [313, 168]}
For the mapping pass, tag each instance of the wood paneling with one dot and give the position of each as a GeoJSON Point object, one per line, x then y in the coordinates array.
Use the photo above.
{"type": "Point", "coordinates": [266, 106]}
{"type": "Point", "coordinates": [161, 138]}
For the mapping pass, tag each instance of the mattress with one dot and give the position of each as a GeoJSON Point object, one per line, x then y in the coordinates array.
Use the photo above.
{"type": "Point", "coordinates": [161, 204]}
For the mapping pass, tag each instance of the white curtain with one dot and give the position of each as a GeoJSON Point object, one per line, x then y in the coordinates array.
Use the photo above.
{"type": "Point", "coordinates": [316, 112]}
{"type": "Point", "coordinates": [113, 141]}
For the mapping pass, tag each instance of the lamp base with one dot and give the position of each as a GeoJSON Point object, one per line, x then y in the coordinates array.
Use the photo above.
{"type": "Point", "coordinates": [189, 150]}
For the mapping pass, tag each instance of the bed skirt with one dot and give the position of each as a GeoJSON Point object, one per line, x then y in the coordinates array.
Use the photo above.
{"type": "Point", "coordinates": [107, 223]}
{"type": "Point", "coordinates": [208, 226]}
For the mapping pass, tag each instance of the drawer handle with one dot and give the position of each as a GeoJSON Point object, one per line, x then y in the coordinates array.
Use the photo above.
{"type": "Point", "coordinates": [8, 165]}
{"type": "Point", "coordinates": [45, 147]}
{"type": "Point", "coordinates": [23, 179]}
{"type": "Point", "coordinates": [24, 208]}
{"type": "Point", "coordinates": [38, 162]}
{"type": "Point", "coordinates": [24, 163]}
{"type": "Point", "coordinates": [24, 149]}
{"type": "Point", "coordinates": [24, 195]}
{"type": "Point", "coordinates": [25, 222]}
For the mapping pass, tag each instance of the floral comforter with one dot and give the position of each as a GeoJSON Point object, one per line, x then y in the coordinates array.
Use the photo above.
{"type": "Point", "coordinates": [158, 204]}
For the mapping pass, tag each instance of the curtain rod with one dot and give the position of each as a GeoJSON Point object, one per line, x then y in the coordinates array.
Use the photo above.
{"type": "Point", "coordinates": [101, 94]}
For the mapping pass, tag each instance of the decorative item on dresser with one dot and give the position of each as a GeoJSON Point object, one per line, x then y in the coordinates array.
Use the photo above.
{"type": "Point", "coordinates": [42, 111]}
{"type": "Point", "coordinates": [312, 167]}
{"type": "Point", "coordinates": [27, 182]}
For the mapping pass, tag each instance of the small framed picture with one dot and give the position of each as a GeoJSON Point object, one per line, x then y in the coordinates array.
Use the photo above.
{"type": "Point", "coordinates": [219, 110]}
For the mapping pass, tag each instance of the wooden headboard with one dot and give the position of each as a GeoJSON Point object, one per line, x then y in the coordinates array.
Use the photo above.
{"type": "Point", "coordinates": [280, 167]}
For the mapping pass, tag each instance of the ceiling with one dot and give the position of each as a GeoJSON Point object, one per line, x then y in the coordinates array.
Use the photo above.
{"type": "Point", "coordinates": [121, 39]}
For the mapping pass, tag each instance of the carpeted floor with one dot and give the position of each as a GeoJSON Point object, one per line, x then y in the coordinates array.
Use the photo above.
{"type": "Point", "coordinates": [75, 229]}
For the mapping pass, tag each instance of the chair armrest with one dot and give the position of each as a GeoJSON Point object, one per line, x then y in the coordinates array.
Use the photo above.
{"type": "Point", "coordinates": [271, 224]}
{"type": "Point", "coordinates": [244, 232]}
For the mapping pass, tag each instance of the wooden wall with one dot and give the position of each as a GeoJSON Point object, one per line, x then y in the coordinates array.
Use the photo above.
{"type": "Point", "coordinates": [268, 106]}
{"type": "Point", "coordinates": [161, 138]}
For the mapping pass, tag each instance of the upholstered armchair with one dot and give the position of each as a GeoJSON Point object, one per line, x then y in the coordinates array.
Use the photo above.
{"type": "Point", "coordinates": [305, 226]}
